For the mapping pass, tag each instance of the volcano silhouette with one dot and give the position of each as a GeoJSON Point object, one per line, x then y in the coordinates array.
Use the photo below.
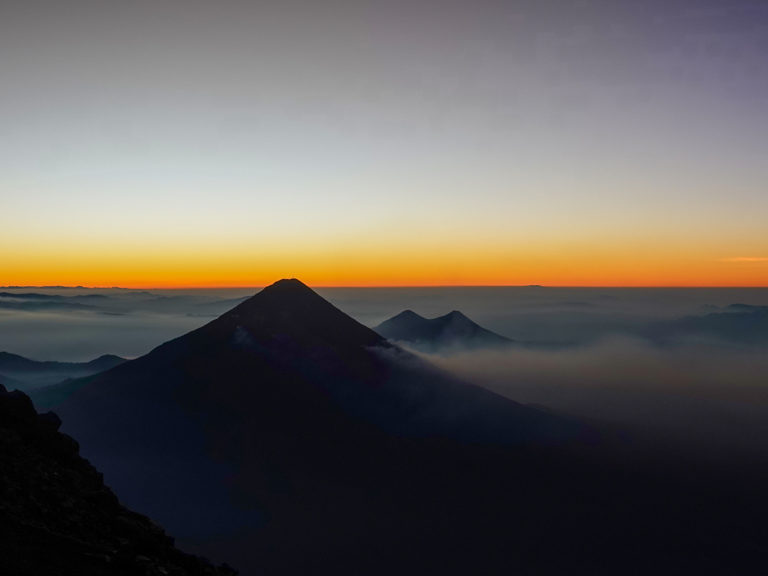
{"type": "Point", "coordinates": [453, 331]}
{"type": "Point", "coordinates": [285, 437]}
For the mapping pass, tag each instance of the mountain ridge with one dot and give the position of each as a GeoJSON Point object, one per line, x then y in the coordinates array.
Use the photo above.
{"type": "Point", "coordinates": [27, 374]}
{"type": "Point", "coordinates": [453, 331]}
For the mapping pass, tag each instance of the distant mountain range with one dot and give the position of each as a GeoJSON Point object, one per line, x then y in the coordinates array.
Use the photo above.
{"type": "Point", "coordinates": [738, 323]}
{"type": "Point", "coordinates": [37, 302]}
{"type": "Point", "coordinates": [25, 374]}
{"type": "Point", "coordinates": [39, 296]}
{"type": "Point", "coordinates": [452, 332]}
{"type": "Point", "coordinates": [286, 438]}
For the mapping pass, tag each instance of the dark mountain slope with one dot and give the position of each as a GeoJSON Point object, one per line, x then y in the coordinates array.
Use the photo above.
{"type": "Point", "coordinates": [58, 517]}
{"type": "Point", "coordinates": [454, 331]}
{"type": "Point", "coordinates": [285, 438]}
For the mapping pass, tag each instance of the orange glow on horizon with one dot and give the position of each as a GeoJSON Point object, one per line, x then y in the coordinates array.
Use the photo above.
{"type": "Point", "coordinates": [368, 260]}
{"type": "Point", "coordinates": [488, 251]}
{"type": "Point", "coordinates": [381, 269]}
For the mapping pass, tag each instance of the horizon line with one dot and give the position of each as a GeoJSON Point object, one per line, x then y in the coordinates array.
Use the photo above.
{"type": "Point", "coordinates": [382, 286]}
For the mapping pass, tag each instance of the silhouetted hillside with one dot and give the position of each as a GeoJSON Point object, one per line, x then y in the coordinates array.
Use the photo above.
{"type": "Point", "coordinates": [454, 331]}
{"type": "Point", "coordinates": [28, 374]}
{"type": "Point", "coordinates": [56, 515]}
{"type": "Point", "coordinates": [285, 437]}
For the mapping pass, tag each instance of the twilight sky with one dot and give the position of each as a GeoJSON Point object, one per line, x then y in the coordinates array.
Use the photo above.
{"type": "Point", "coordinates": [191, 143]}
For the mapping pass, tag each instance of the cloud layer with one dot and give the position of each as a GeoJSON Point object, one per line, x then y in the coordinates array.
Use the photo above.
{"type": "Point", "coordinates": [708, 397]}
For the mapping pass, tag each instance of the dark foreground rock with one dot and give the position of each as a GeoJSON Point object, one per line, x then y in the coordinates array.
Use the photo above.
{"type": "Point", "coordinates": [58, 518]}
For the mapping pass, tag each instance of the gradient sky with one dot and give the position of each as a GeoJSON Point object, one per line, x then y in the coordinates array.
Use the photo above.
{"type": "Point", "coordinates": [170, 143]}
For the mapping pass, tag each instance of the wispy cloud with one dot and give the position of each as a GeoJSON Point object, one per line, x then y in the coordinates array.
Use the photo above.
{"type": "Point", "coordinates": [746, 259]}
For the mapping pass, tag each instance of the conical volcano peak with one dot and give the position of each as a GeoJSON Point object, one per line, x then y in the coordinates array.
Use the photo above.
{"type": "Point", "coordinates": [455, 320]}
{"type": "Point", "coordinates": [291, 309]}
{"type": "Point", "coordinates": [287, 293]}
{"type": "Point", "coordinates": [288, 284]}
{"type": "Point", "coordinates": [408, 315]}
{"type": "Point", "coordinates": [287, 288]}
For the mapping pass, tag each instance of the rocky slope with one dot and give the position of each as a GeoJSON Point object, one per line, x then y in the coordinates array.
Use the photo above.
{"type": "Point", "coordinates": [58, 518]}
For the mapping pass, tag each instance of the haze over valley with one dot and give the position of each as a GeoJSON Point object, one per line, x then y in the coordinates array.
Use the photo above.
{"type": "Point", "coordinates": [231, 411]}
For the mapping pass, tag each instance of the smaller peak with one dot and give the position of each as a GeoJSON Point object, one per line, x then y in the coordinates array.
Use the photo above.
{"type": "Point", "coordinates": [407, 315]}
{"type": "Point", "coordinates": [456, 318]}
{"type": "Point", "coordinates": [10, 357]}
{"type": "Point", "coordinates": [408, 312]}
{"type": "Point", "coordinates": [106, 361]}
{"type": "Point", "coordinates": [109, 357]}
{"type": "Point", "coordinates": [456, 314]}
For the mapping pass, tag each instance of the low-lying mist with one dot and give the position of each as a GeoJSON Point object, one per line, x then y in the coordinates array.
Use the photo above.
{"type": "Point", "coordinates": [711, 396]}
{"type": "Point", "coordinates": [689, 366]}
